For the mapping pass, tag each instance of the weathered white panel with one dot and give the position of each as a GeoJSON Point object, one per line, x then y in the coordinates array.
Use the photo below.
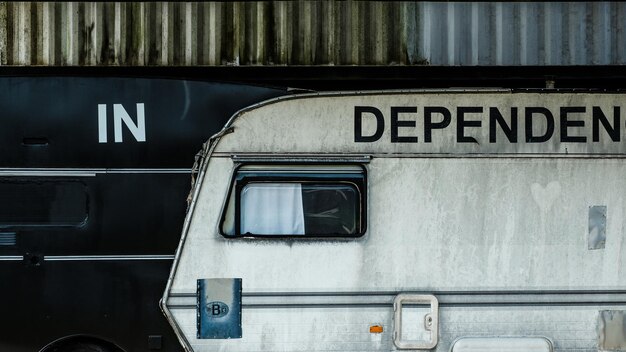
{"type": "Point", "coordinates": [492, 224]}
{"type": "Point", "coordinates": [570, 329]}
{"type": "Point", "coordinates": [204, 228]}
{"type": "Point", "coordinates": [436, 224]}
{"type": "Point", "coordinates": [292, 125]}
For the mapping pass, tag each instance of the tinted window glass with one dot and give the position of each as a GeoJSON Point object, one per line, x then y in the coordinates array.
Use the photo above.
{"type": "Point", "coordinates": [40, 203]}
{"type": "Point", "coordinates": [331, 209]}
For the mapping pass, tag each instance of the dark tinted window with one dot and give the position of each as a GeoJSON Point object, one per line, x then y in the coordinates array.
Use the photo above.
{"type": "Point", "coordinates": [41, 203]}
{"type": "Point", "coordinates": [330, 209]}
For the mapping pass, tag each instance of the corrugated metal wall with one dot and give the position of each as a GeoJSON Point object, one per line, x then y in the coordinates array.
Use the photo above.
{"type": "Point", "coordinates": [312, 33]}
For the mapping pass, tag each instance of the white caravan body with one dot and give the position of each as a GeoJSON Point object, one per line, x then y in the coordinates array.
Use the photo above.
{"type": "Point", "coordinates": [483, 220]}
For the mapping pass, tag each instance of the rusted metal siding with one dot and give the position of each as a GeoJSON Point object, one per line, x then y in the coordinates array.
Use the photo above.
{"type": "Point", "coordinates": [312, 33]}
{"type": "Point", "coordinates": [208, 33]}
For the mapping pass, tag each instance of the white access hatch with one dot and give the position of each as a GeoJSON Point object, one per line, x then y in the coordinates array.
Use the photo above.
{"type": "Point", "coordinates": [502, 344]}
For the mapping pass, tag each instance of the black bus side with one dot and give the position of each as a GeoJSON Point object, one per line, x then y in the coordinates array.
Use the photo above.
{"type": "Point", "coordinates": [94, 175]}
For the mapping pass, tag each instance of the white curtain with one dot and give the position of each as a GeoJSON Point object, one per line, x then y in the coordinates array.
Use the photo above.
{"type": "Point", "coordinates": [272, 209]}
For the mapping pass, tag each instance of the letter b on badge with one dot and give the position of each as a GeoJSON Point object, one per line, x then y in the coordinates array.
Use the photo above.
{"type": "Point", "coordinates": [217, 309]}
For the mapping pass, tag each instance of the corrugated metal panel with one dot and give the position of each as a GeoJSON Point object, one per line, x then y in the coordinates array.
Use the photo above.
{"type": "Point", "coordinates": [524, 33]}
{"type": "Point", "coordinates": [312, 33]}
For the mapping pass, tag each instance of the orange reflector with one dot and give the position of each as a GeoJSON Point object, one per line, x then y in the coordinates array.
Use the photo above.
{"type": "Point", "coordinates": [376, 329]}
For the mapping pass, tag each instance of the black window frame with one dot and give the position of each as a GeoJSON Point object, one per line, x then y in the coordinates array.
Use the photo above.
{"type": "Point", "coordinates": [53, 181]}
{"type": "Point", "coordinates": [240, 179]}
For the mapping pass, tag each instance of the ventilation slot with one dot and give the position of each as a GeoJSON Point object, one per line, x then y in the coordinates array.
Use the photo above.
{"type": "Point", "coordinates": [35, 141]}
{"type": "Point", "coordinates": [7, 239]}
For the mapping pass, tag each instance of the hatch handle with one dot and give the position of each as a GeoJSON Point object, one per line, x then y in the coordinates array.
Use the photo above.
{"type": "Point", "coordinates": [431, 321]}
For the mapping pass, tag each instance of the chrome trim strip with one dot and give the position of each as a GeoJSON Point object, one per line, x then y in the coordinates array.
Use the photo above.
{"type": "Point", "coordinates": [148, 171]}
{"type": "Point", "coordinates": [86, 172]}
{"type": "Point", "coordinates": [11, 258]}
{"type": "Point", "coordinates": [302, 158]}
{"type": "Point", "coordinates": [106, 257]}
{"type": "Point", "coordinates": [360, 158]}
{"type": "Point", "coordinates": [46, 173]}
{"type": "Point", "coordinates": [289, 300]}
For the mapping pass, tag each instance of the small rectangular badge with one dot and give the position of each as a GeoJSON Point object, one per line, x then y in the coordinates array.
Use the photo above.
{"type": "Point", "coordinates": [597, 227]}
{"type": "Point", "coordinates": [611, 330]}
{"type": "Point", "coordinates": [219, 309]}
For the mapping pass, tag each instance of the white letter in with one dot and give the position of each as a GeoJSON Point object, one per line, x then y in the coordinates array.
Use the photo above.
{"type": "Point", "coordinates": [102, 123]}
{"type": "Point", "coordinates": [138, 130]}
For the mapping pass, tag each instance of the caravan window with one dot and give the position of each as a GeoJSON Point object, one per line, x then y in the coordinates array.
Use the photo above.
{"type": "Point", "coordinates": [296, 201]}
